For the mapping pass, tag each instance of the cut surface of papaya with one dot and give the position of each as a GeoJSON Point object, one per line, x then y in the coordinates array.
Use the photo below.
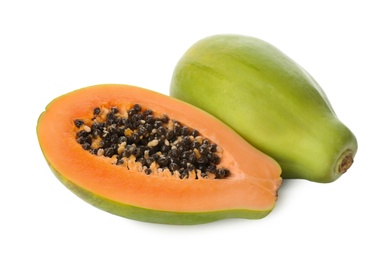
{"type": "Point", "coordinates": [269, 100]}
{"type": "Point", "coordinates": [146, 156]}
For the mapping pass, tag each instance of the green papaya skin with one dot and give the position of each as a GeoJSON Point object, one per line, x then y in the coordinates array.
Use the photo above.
{"type": "Point", "coordinates": [269, 100]}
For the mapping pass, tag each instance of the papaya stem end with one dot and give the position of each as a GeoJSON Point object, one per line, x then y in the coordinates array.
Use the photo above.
{"type": "Point", "coordinates": [345, 161]}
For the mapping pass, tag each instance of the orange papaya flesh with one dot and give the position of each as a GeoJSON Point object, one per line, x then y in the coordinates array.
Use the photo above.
{"type": "Point", "coordinates": [128, 186]}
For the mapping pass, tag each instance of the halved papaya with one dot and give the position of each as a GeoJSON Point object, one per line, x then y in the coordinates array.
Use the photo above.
{"type": "Point", "coordinates": [146, 156]}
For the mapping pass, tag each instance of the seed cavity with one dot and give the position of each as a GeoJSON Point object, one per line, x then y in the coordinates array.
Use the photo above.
{"type": "Point", "coordinates": [138, 139]}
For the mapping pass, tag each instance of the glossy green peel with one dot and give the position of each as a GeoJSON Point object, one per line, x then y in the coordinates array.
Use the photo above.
{"type": "Point", "coordinates": [268, 99]}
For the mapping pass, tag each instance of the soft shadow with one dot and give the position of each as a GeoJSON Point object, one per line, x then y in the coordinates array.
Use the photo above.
{"type": "Point", "coordinates": [288, 186]}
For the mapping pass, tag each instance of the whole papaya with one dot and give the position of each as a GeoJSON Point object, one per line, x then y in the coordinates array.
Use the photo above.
{"type": "Point", "coordinates": [269, 100]}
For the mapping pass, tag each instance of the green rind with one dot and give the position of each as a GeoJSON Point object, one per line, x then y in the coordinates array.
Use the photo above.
{"type": "Point", "coordinates": [154, 216]}
{"type": "Point", "coordinates": [269, 100]}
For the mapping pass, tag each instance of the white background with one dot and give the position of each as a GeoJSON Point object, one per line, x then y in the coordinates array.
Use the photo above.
{"type": "Point", "coordinates": [48, 48]}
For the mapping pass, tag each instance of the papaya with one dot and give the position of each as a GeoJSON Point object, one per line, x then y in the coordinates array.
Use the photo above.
{"type": "Point", "coordinates": [268, 99]}
{"type": "Point", "coordinates": [146, 156]}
